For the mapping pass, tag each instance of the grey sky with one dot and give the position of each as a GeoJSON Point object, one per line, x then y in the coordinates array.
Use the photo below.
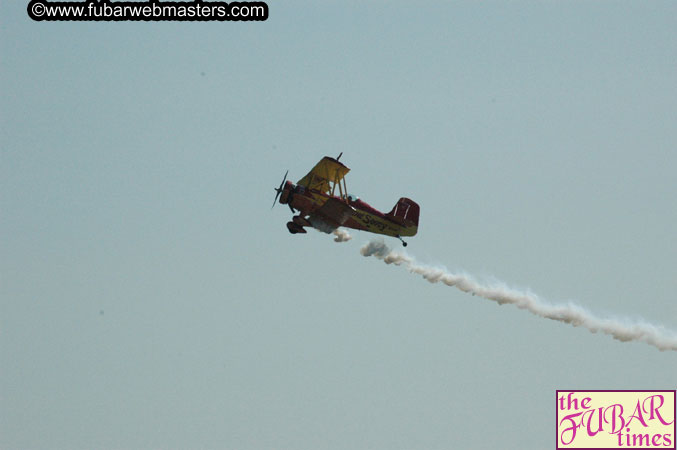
{"type": "Point", "coordinates": [149, 298]}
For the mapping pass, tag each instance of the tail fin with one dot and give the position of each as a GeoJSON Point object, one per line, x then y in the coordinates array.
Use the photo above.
{"type": "Point", "coordinates": [406, 211]}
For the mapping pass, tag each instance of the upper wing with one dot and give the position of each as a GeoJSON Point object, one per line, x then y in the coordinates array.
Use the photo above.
{"type": "Point", "coordinates": [327, 171]}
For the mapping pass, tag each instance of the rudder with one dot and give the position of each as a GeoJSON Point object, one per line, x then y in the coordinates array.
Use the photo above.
{"type": "Point", "coordinates": [406, 211]}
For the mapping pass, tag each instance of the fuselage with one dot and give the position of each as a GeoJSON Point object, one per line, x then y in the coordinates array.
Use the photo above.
{"type": "Point", "coordinates": [364, 216]}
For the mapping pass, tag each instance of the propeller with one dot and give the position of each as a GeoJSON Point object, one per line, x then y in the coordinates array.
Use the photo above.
{"type": "Point", "coordinates": [279, 190]}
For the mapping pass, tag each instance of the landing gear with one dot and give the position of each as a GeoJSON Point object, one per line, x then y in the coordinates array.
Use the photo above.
{"type": "Point", "coordinates": [301, 221]}
{"type": "Point", "coordinates": [295, 228]}
{"type": "Point", "coordinates": [404, 244]}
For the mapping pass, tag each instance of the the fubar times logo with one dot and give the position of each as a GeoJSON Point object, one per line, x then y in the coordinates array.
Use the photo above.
{"type": "Point", "coordinates": [615, 419]}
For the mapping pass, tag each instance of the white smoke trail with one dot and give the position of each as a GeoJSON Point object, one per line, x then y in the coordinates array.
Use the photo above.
{"type": "Point", "coordinates": [341, 235]}
{"type": "Point", "coordinates": [570, 313]}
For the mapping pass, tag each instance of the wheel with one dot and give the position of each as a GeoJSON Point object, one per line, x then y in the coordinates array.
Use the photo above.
{"type": "Point", "coordinates": [295, 228]}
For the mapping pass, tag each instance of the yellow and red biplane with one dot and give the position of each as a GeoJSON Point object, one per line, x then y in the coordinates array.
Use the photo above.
{"type": "Point", "coordinates": [320, 206]}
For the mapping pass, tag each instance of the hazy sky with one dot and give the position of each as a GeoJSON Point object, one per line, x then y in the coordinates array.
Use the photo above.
{"type": "Point", "coordinates": [150, 299]}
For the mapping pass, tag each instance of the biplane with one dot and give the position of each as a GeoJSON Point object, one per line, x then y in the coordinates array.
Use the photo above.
{"type": "Point", "coordinates": [322, 202]}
